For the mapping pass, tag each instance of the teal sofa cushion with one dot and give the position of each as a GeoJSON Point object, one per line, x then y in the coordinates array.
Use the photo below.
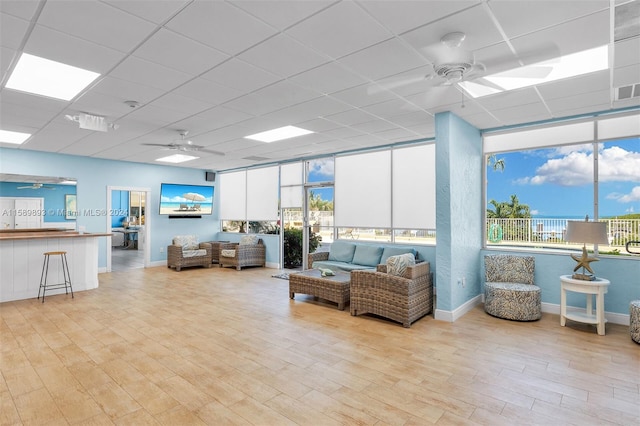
{"type": "Point", "coordinates": [367, 255]}
{"type": "Point", "coordinates": [340, 266]}
{"type": "Point", "coordinates": [395, 251]}
{"type": "Point", "coordinates": [341, 251]}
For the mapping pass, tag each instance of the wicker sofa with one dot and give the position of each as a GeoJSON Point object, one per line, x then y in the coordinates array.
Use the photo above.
{"type": "Point", "coordinates": [400, 298]}
{"type": "Point", "coordinates": [250, 251]}
{"type": "Point", "coordinates": [347, 256]}
{"type": "Point", "coordinates": [185, 250]}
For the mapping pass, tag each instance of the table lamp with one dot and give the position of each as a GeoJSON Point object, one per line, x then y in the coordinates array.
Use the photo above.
{"type": "Point", "coordinates": [585, 232]}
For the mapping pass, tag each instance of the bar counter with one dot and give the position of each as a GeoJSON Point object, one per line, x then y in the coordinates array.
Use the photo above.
{"type": "Point", "coordinates": [22, 255]}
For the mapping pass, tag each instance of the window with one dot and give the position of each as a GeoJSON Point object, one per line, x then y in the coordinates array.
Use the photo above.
{"type": "Point", "coordinates": [564, 172]}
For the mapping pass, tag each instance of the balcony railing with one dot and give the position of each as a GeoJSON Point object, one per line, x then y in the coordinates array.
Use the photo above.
{"type": "Point", "coordinates": [550, 232]}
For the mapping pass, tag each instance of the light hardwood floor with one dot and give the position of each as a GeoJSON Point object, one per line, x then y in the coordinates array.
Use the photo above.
{"type": "Point", "coordinates": [220, 346]}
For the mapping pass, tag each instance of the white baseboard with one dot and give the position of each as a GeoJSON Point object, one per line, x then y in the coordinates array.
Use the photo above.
{"type": "Point", "coordinates": [451, 316]}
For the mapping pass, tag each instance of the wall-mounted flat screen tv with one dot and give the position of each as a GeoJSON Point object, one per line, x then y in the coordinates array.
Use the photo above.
{"type": "Point", "coordinates": [185, 200]}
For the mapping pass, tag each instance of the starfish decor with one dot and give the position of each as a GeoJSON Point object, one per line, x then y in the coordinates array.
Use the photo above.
{"type": "Point", "coordinates": [583, 262]}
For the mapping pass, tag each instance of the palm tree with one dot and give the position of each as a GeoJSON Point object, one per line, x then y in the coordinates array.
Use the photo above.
{"type": "Point", "coordinates": [496, 163]}
{"type": "Point", "coordinates": [517, 210]}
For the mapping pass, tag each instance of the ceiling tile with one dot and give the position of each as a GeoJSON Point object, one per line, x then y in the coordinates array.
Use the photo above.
{"type": "Point", "coordinates": [127, 90]}
{"type": "Point", "coordinates": [96, 22]}
{"type": "Point", "coordinates": [560, 105]}
{"type": "Point", "coordinates": [12, 31]}
{"type": "Point", "coordinates": [627, 52]}
{"type": "Point", "coordinates": [333, 31]}
{"type": "Point", "coordinates": [272, 98]}
{"type": "Point", "coordinates": [401, 16]}
{"type": "Point", "coordinates": [7, 56]}
{"type": "Point", "coordinates": [216, 24]}
{"type": "Point", "coordinates": [208, 91]}
{"type": "Point", "coordinates": [211, 119]}
{"type": "Point", "coordinates": [475, 22]}
{"type": "Point", "coordinates": [351, 117]}
{"type": "Point", "coordinates": [523, 17]}
{"type": "Point", "coordinates": [159, 116]}
{"type": "Point", "coordinates": [328, 78]}
{"type": "Point", "coordinates": [397, 55]}
{"type": "Point", "coordinates": [180, 53]}
{"type": "Point", "coordinates": [61, 47]}
{"type": "Point", "coordinates": [360, 96]}
{"type": "Point", "coordinates": [55, 136]}
{"type": "Point", "coordinates": [19, 8]}
{"type": "Point", "coordinates": [149, 74]}
{"type": "Point", "coordinates": [534, 112]}
{"type": "Point", "coordinates": [240, 75]}
{"type": "Point", "coordinates": [570, 37]}
{"type": "Point", "coordinates": [509, 99]}
{"type": "Point", "coordinates": [626, 75]}
{"type": "Point", "coordinates": [282, 56]}
{"type": "Point", "coordinates": [569, 87]}
{"type": "Point", "coordinates": [282, 13]}
{"type": "Point", "coordinates": [160, 12]}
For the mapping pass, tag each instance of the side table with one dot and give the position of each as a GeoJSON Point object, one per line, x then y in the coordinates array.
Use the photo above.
{"type": "Point", "coordinates": [215, 250]}
{"type": "Point", "coordinates": [597, 287]}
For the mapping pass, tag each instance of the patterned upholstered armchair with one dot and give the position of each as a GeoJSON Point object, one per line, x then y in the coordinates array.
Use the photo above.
{"type": "Point", "coordinates": [185, 250]}
{"type": "Point", "coordinates": [403, 298]}
{"type": "Point", "coordinates": [250, 251]}
{"type": "Point", "coordinates": [509, 289]}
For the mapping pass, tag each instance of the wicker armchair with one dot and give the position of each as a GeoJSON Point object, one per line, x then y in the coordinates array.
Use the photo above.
{"type": "Point", "coordinates": [403, 299]}
{"type": "Point", "coordinates": [186, 251]}
{"type": "Point", "coordinates": [240, 255]}
{"type": "Point", "coordinates": [509, 290]}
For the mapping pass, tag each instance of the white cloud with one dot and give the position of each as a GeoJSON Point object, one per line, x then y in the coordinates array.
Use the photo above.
{"type": "Point", "coordinates": [323, 167]}
{"type": "Point", "coordinates": [634, 195]}
{"type": "Point", "coordinates": [575, 168]}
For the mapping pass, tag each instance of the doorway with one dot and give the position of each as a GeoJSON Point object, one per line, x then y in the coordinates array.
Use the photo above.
{"type": "Point", "coordinates": [129, 224]}
{"type": "Point", "coordinates": [318, 233]}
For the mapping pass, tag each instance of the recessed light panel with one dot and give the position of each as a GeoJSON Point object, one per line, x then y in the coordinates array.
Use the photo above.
{"type": "Point", "coordinates": [279, 134]}
{"type": "Point", "coordinates": [17, 138]}
{"type": "Point", "coordinates": [567, 66]}
{"type": "Point", "coordinates": [177, 158]}
{"type": "Point", "coordinates": [45, 77]}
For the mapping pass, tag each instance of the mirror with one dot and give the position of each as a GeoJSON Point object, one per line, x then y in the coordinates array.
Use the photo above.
{"type": "Point", "coordinates": [28, 201]}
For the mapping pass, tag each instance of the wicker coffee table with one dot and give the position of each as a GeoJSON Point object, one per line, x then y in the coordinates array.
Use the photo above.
{"type": "Point", "coordinates": [335, 288]}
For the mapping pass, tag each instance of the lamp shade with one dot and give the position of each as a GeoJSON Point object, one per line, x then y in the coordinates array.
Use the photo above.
{"type": "Point", "coordinates": [586, 232]}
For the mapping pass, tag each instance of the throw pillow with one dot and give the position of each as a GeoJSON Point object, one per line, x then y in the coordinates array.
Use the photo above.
{"type": "Point", "coordinates": [367, 255]}
{"type": "Point", "coordinates": [249, 240]}
{"type": "Point", "coordinates": [397, 265]}
{"type": "Point", "coordinates": [188, 242]}
{"type": "Point", "coordinates": [394, 251]}
{"type": "Point", "coordinates": [341, 251]}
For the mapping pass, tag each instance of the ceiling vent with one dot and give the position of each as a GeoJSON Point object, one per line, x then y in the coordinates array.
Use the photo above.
{"type": "Point", "coordinates": [628, 92]}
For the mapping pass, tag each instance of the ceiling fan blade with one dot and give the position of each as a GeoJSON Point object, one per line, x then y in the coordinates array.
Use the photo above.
{"type": "Point", "coordinates": [159, 144]}
{"type": "Point", "coordinates": [392, 83]}
{"type": "Point", "coordinates": [25, 187]}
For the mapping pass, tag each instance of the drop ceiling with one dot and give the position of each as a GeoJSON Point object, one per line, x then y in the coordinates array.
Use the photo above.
{"type": "Point", "coordinates": [227, 69]}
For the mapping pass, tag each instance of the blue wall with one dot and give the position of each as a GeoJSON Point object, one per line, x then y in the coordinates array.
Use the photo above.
{"type": "Point", "coordinates": [119, 207]}
{"type": "Point", "coordinates": [458, 219]}
{"type": "Point", "coordinates": [53, 198]}
{"type": "Point", "coordinates": [95, 175]}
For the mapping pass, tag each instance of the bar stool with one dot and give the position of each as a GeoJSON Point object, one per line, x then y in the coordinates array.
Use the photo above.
{"type": "Point", "coordinates": [45, 272]}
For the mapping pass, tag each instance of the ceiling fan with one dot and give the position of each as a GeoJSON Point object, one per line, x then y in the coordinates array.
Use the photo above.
{"type": "Point", "coordinates": [451, 63]}
{"type": "Point", "coordinates": [37, 186]}
{"type": "Point", "coordinates": [184, 145]}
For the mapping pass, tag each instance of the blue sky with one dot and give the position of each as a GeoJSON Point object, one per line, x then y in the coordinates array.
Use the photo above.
{"type": "Point", "coordinates": [558, 182]}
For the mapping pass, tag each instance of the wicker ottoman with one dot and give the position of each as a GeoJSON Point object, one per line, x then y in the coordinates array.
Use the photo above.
{"type": "Point", "coordinates": [335, 288]}
{"type": "Point", "coordinates": [634, 320]}
{"type": "Point", "coordinates": [513, 301]}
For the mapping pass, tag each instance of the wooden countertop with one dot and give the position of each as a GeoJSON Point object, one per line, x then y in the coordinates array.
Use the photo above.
{"type": "Point", "coordinates": [43, 233]}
